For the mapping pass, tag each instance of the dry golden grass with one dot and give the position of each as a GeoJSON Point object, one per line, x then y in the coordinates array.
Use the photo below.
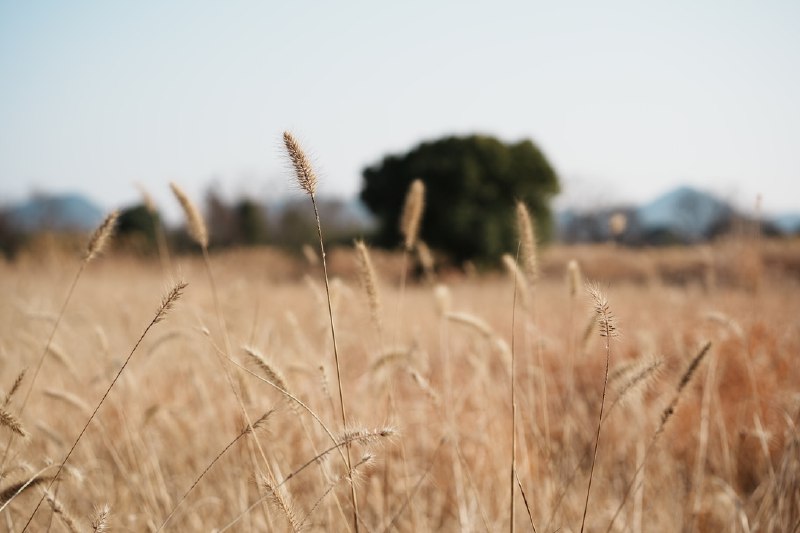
{"type": "Point", "coordinates": [726, 458]}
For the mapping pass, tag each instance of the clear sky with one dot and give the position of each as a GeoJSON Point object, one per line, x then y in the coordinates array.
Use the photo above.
{"type": "Point", "coordinates": [627, 99]}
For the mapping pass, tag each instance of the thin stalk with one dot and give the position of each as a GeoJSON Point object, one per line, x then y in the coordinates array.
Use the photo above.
{"type": "Point", "coordinates": [41, 358]}
{"type": "Point", "coordinates": [337, 446]}
{"type": "Point", "coordinates": [166, 304]}
{"type": "Point", "coordinates": [336, 358]}
{"type": "Point", "coordinates": [223, 327]}
{"type": "Point", "coordinates": [665, 417]}
{"type": "Point", "coordinates": [597, 436]}
{"type": "Point", "coordinates": [416, 486]}
{"type": "Point", "coordinates": [513, 401]}
{"type": "Point", "coordinates": [241, 434]}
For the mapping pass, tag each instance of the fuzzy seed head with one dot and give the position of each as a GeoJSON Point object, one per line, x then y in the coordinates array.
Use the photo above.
{"type": "Point", "coordinates": [690, 370]}
{"type": "Point", "coordinates": [168, 301]}
{"type": "Point", "coordinates": [58, 508]}
{"type": "Point", "coordinates": [301, 165]}
{"type": "Point", "coordinates": [366, 436]}
{"type": "Point", "coordinates": [100, 518]}
{"type": "Point", "coordinates": [527, 239]}
{"type": "Point", "coordinates": [194, 221]}
{"type": "Point", "coordinates": [368, 278]}
{"type": "Point", "coordinates": [574, 278]}
{"type": "Point", "coordinates": [270, 371]}
{"type": "Point", "coordinates": [11, 422]}
{"type": "Point", "coordinates": [637, 375]}
{"type": "Point", "coordinates": [14, 387]}
{"type": "Point", "coordinates": [101, 236]}
{"type": "Point", "coordinates": [279, 498]}
{"type": "Point", "coordinates": [605, 319]}
{"type": "Point", "coordinates": [412, 213]}
{"type": "Point", "coordinates": [261, 422]}
{"type": "Point", "coordinates": [15, 489]}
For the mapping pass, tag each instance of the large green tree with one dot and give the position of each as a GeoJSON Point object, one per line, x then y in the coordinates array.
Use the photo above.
{"type": "Point", "coordinates": [471, 185]}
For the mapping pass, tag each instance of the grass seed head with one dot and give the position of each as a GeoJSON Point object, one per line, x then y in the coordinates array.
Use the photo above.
{"type": "Point", "coordinates": [8, 420]}
{"type": "Point", "coordinates": [301, 165]}
{"type": "Point", "coordinates": [412, 213]}
{"type": "Point", "coordinates": [527, 238]}
{"type": "Point", "coordinates": [369, 281]}
{"type": "Point", "coordinates": [168, 301]}
{"type": "Point", "coordinates": [574, 278]}
{"type": "Point", "coordinates": [606, 320]}
{"type": "Point", "coordinates": [194, 220]}
{"type": "Point", "coordinates": [101, 236]}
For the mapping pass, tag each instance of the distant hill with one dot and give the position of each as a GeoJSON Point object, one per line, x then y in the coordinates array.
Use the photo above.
{"type": "Point", "coordinates": [59, 212]}
{"type": "Point", "coordinates": [788, 224]}
{"type": "Point", "coordinates": [685, 212]}
{"type": "Point", "coordinates": [682, 215]}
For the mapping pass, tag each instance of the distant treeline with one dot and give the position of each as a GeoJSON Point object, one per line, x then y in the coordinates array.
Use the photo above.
{"type": "Point", "coordinates": [242, 222]}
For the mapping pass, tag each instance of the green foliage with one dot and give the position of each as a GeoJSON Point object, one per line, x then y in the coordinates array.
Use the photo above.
{"type": "Point", "coordinates": [136, 229]}
{"type": "Point", "coordinates": [252, 223]}
{"type": "Point", "coordinates": [472, 184]}
{"type": "Point", "coordinates": [12, 239]}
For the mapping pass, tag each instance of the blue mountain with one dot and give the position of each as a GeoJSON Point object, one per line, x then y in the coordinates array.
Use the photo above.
{"type": "Point", "coordinates": [685, 212]}
{"type": "Point", "coordinates": [60, 212]}
{"type": "Point", "coordinates": [788, 223]}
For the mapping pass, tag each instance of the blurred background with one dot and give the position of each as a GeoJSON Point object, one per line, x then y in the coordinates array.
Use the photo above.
{"type": "Point", "coordinates": [641, 124]}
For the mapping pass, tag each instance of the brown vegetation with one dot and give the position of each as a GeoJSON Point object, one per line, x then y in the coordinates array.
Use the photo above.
{"type": "Point", "coordinates": [691, 436]}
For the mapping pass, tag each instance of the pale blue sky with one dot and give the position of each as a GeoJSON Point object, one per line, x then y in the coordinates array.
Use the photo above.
{"type": "Point", "coordinates": [627, 99]}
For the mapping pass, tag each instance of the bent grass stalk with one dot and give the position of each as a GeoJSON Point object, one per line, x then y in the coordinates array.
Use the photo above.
{"type": "Point", "coordinates": [246, 431]}
{"type": "Point", "coordinates": [366, 460]}
{"type": "Point", "coordinates": [166, 304]}
{"type": "Point", "coordinates": [97, 243]}
{"type": "Point", "coordinates": [363, 436]}
{"type": "Point", "coordinates": [198, 231]}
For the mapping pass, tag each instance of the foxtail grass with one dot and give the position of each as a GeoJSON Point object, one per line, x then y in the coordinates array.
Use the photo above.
{"type": "Point", "coordinates": [101, 519]}
{"type": "Point", "coordinates": [307, 179]}
{"type": "Point", "coordinates": [12, 423]}
{"type": "Point", "coordinates": [195, 224]}
{"type": "Point", "coordinates": [527, 238]}
{"type": "Point", "coordinates": [412, 214]}
{"type": "Point", "coordinates": [14, 388]}
{"type": "Point", "coordinates": [608, 329]}
{"type": "Point", "coordinates": [369, 282]}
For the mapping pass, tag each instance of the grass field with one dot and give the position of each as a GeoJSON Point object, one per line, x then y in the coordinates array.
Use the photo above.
{"type": "Point", "coordinates": [426, 386]}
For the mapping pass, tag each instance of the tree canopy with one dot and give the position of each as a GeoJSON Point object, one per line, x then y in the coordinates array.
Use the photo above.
{"type": "Point", "coordinates": [472, 184]}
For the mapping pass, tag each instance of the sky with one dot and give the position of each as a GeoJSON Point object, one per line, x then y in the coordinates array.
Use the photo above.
{"type": "Point", "coordinates": [626, 99]}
